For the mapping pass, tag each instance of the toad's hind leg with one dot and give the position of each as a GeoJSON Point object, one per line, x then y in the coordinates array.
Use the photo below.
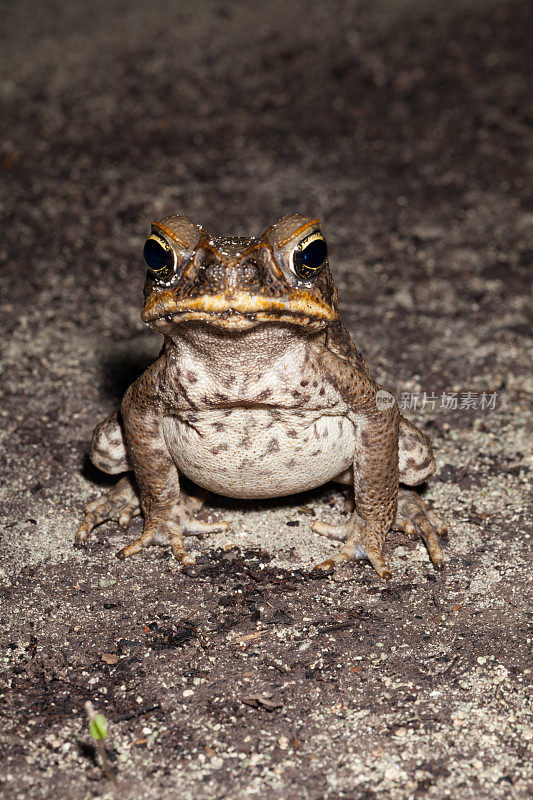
{"type": "Point", "coordinates": [415, 456]}
{"type": "Point", "coordinates": [108, 446]}
{"type": "Point", "coordinates": [121, 503]}
{"type": "Point", "coordinates": [413, 515]}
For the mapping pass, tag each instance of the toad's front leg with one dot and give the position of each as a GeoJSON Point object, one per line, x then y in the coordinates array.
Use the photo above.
{"type": "Point", "coordinates": [167, 516]}
{"type": "Point", "coordinates": [375, 485]}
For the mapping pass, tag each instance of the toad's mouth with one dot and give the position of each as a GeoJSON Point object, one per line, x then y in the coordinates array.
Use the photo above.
{"type": "Point", "coordinates": [238, 312]}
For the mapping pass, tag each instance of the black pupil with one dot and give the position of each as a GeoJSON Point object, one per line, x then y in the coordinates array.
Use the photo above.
{"type": "Point", "coordinates": [311, 257]}
{"type": "Point", "coordinates": [156, 256]}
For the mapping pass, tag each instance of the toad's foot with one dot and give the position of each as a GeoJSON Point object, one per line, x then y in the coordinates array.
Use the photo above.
{"type": "Point", "coordinates": [168, 526]}
{"type": "Point", "coordinates": [360, 541]}
{"type": "Point", "coordinates": [121, 504]}
{"type": "Point", "coordinates": [415, 518]}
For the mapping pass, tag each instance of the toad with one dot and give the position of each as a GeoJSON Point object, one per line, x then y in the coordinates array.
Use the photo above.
{"type": "Point", "coordinates": [258, 392]}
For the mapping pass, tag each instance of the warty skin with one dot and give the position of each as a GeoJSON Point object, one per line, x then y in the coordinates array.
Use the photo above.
{"type": "Point", "coordinates": [258, 392]}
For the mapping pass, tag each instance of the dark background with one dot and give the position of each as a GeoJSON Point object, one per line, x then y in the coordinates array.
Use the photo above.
{"type": "Point", "coordinates": [405, 127]}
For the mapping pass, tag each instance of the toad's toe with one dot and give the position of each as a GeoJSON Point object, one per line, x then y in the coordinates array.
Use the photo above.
{"type": "Point", "coordinates": [416, 519]}
{"type": "Point", "coordinates": [120, 503]}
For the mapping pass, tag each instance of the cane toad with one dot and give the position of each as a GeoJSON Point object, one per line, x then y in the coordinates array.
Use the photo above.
{"type": "Point", "coordinates": [258, 392]}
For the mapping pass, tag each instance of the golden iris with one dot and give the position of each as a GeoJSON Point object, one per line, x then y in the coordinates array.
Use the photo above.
{"type": "Point", "coordinates": [310, 256]}
{"type": "Point", "coordinates": [159, 257]}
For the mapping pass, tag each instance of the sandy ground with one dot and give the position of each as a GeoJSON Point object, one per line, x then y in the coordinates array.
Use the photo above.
{"type": "Point", "coordinates": [404, 125]}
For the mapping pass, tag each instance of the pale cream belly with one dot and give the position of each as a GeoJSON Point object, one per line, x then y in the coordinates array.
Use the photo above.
{"type": "Point", "coordinates": [247, 453]}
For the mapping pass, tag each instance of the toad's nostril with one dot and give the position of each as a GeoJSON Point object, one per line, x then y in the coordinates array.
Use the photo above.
{"type": "Point", "coordinates": [249, 271]}
{"type": "Point", "coordinates": [214, 273]}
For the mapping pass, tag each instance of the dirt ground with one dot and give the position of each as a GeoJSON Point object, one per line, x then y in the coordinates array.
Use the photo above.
{"type": "Point", "coordinates": [404, 125]}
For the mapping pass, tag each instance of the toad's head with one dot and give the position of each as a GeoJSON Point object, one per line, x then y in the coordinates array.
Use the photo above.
{"type": "Point", "coordinates": [238, 283]}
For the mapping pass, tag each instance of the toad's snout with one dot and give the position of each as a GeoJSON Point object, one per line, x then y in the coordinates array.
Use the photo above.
{"type": "Point", "coordinates": [216, 276]}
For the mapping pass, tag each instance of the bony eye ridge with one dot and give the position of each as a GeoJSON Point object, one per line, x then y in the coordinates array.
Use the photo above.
{"type": "Point", "coordinates": [309, 256]}
{"type": "Point", "coordinates": [159, 257]}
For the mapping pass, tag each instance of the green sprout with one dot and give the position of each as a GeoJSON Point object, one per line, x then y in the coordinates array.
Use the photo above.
{"type": "Point", "coordinates": [98, 730]}
{"type": "Point", "coordinates": [98, 727]}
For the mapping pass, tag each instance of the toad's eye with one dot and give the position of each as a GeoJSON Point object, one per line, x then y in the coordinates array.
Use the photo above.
{"type": "Point", "coordinates": [309, 256]}
{"type": "Point", "coordinates": [159, 257]}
